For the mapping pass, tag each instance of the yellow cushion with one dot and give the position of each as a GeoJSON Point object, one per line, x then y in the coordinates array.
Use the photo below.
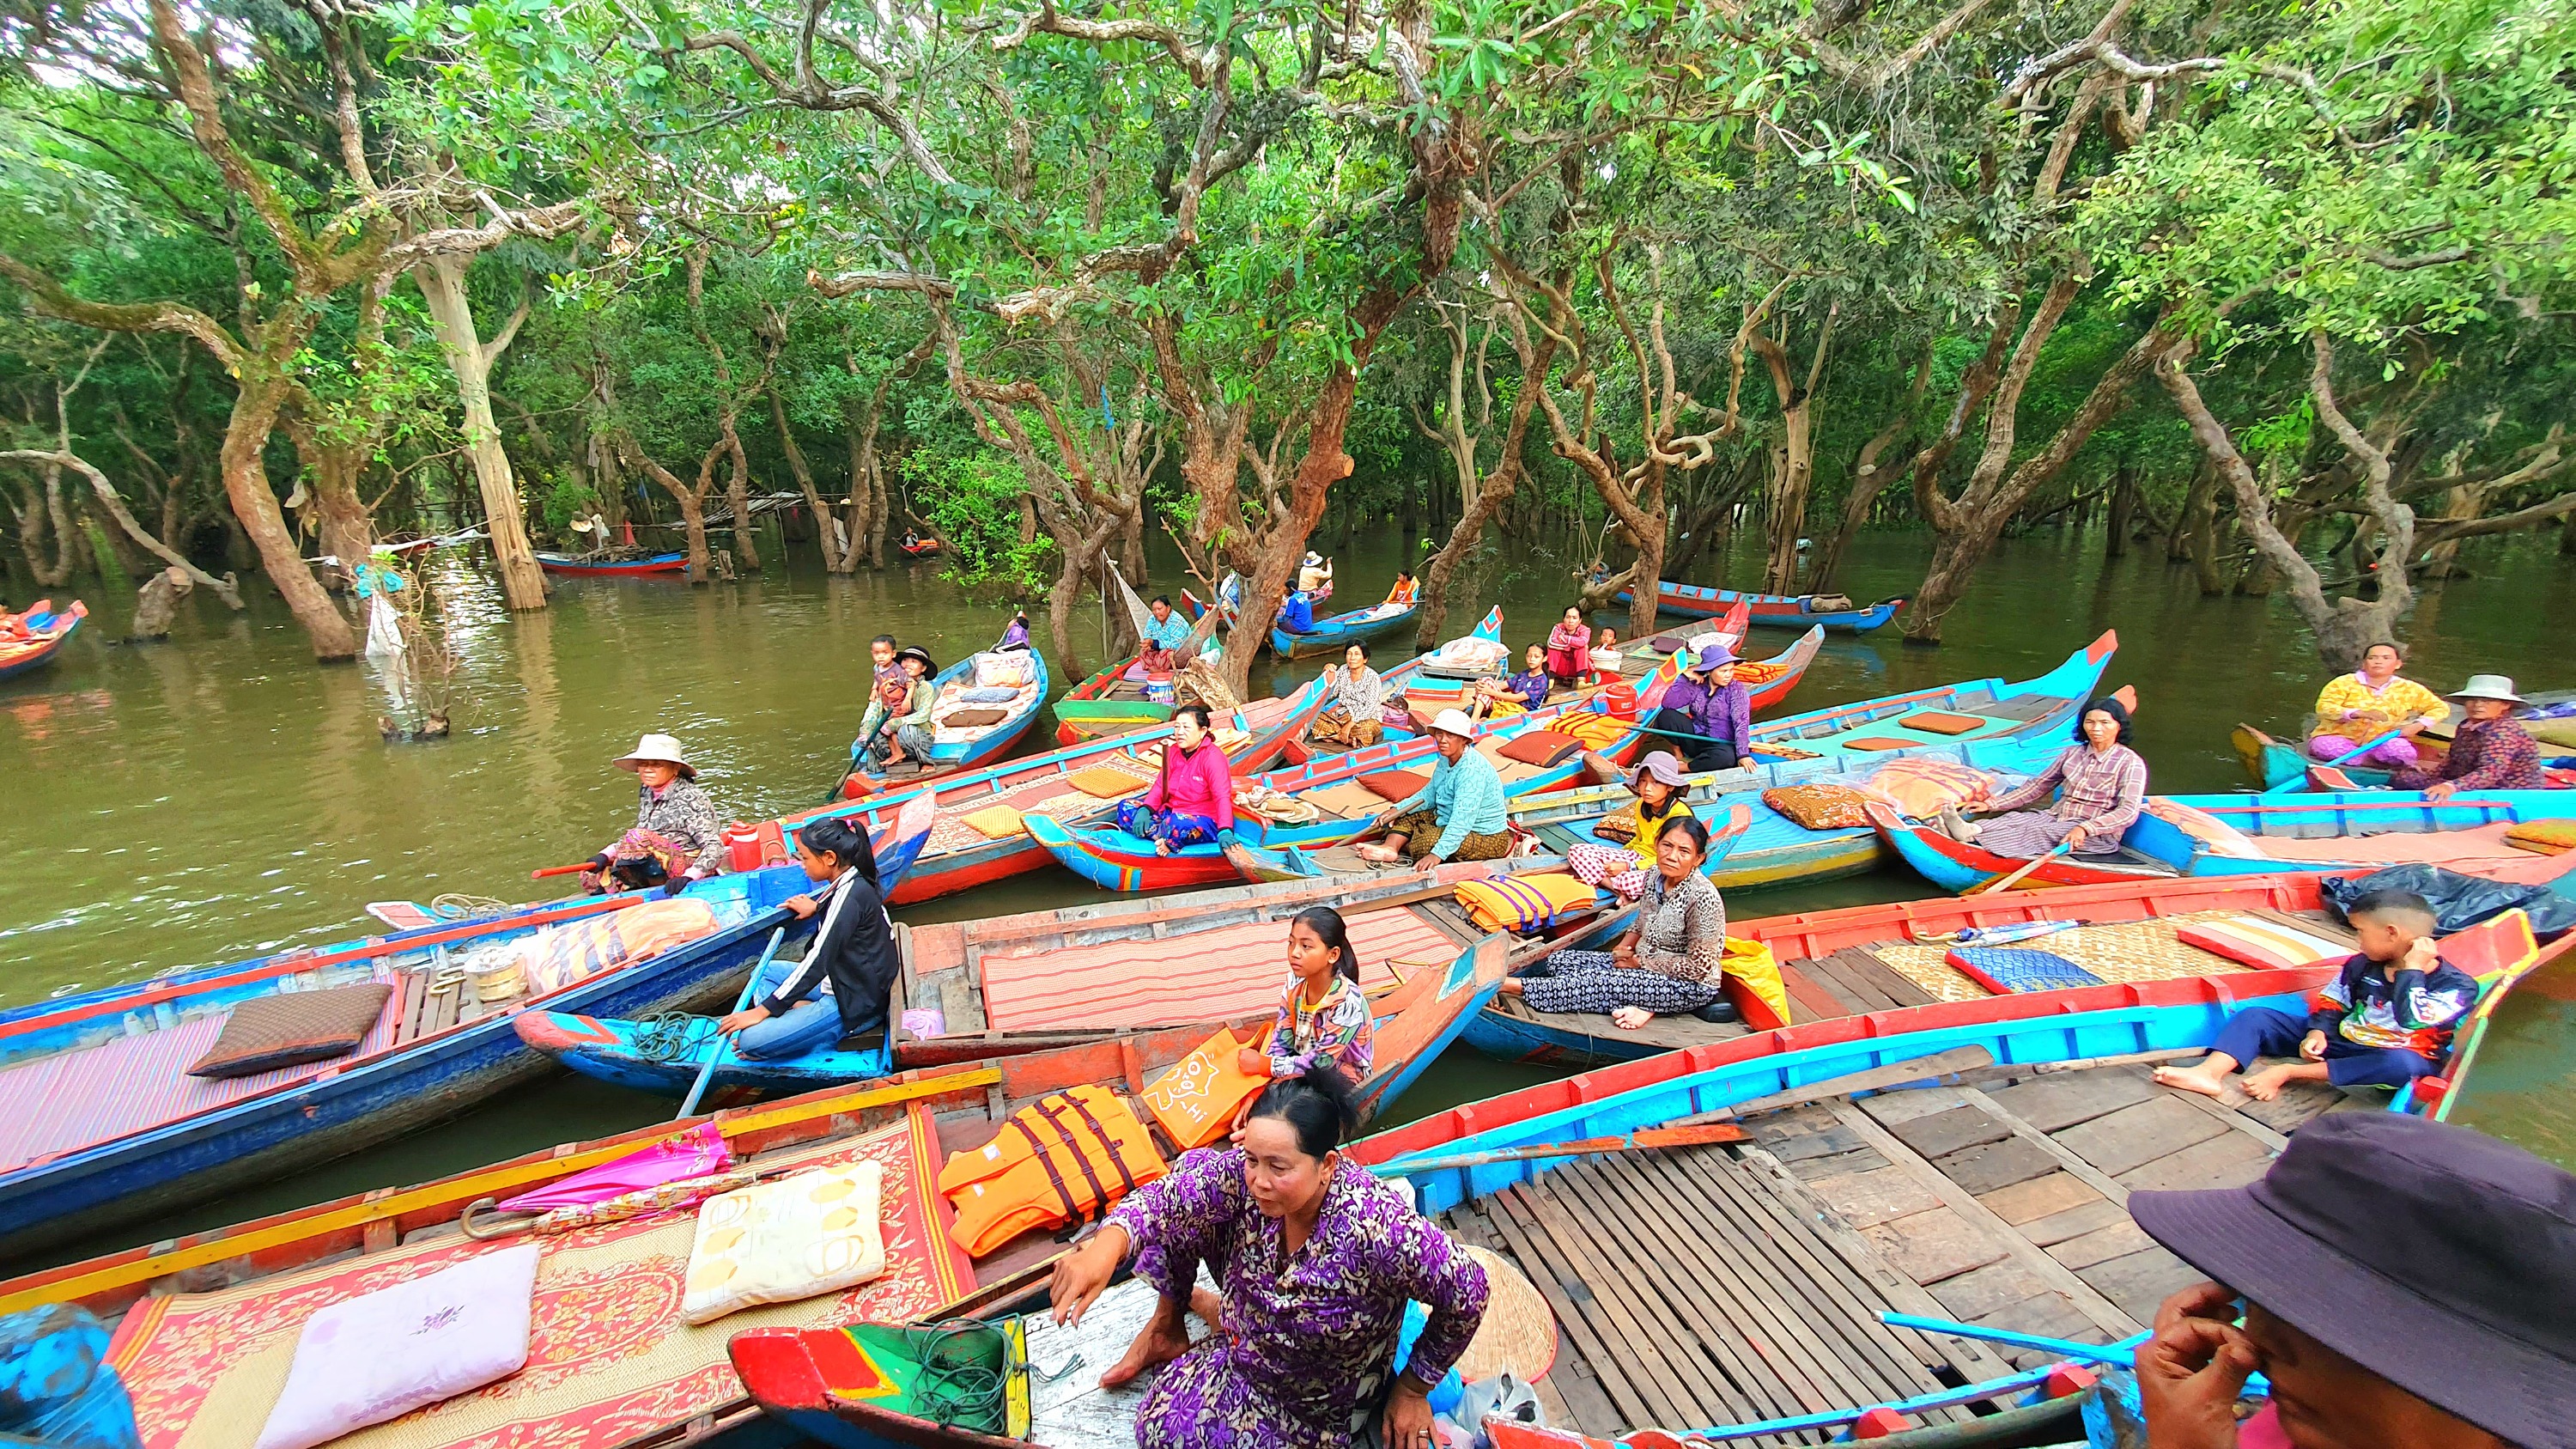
{"type": "Point", "coordinates": [1104, 782]}
{"type": "Point", "coordinates": [776, 1242]}
{"type": "Point", "coordinates": [1523, 902]}
{"type": "Point", "coordinates": [2546, 836]}
{"type": "Point", "coordinates": [996, 821]}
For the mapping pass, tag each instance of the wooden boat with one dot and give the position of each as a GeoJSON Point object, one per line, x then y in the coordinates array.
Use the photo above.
{"type": "Point", "coordinates": [1775, 1304]}
{"type": "Point", "coordinates": [2217, 835]}
{"type": "Point", "coordinates": [954, 750]}
{"type": "Point", "coordinates": [105, 1126]}
{"type": "Point", "coordinates": [1335, 796]}
{"type": "Point", "coordinates": [976, 837]}
{"type": "Point", "coordinates": [2279, 766]}
{"type": "Point", "coordinates": [634, 568]}
{"type": "Point", "coordinates": [1846, 962]}
{"type": "Point", "coordinates": [610, 1362]}
{"type": "Point", "coordinates": [1107, 704]}
{"type": "Point", "coordinates": [46, 632]}
{"type": "Point", "coordinates": [1773, 611]}
{"type": "Point", "coordinates": [1051, 978]}
{"type": "Point", "coordinates": [1339, 631]}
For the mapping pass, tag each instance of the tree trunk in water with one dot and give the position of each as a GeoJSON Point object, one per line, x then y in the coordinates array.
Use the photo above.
{"type": "Point", "coordinates": [738, 494]}
{"type": "Point", "coordinates": [451, 315]}
{"type": "Point", "coordinates": [1061, 597]}
{"type": "Point", "coordinates": [823, 522]}
{"type": "Point", "coordinates": [346, 532]}
{"type": "Point", "coordinates": [2201, 523]}
{"type": "Point", "coordinates": [1789, 500]}
{"type": "Point", "coordinates": [693, 523]}
{"type": "Point", "coordinates": [2124, 504]}
{"type": "Point", "coordinates": [254, 501]}
{"type": "Point", "coordinates": [156, 602]}
{"type": "Point", "coordinates": [1444, 564]}
{"type": "Point", "coordinates": [46, 513]}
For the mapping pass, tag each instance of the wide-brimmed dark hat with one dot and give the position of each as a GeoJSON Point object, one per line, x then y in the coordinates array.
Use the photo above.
{"type": "Point", "coordinates": [915, 651]}
{"type": "Point", "coordinates": [2434, 1256]}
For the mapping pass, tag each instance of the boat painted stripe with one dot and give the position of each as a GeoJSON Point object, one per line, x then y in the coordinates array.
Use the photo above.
{"type": "Point", "coordinates": [250, 1239]}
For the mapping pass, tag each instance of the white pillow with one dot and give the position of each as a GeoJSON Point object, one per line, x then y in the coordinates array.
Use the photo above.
{"type": "Point", "coordinates": [1003, 669]}
{"type": "Point", "coordinates": [383, 1354]}
{"type": "Point", "coordinates": [776, 1242]}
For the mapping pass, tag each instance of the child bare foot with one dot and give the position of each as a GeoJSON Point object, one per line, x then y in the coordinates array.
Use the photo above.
{"type": "Point", "coordinates": [2266, 1084]}
{"type": "Point", "coordinates": [1162, 847]}
{"type": "Point", "coordinates": [2209, 1078]}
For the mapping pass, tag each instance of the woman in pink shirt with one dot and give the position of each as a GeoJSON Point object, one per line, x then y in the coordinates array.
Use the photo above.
{"type": "Point", "coordinates": [1192, 801]}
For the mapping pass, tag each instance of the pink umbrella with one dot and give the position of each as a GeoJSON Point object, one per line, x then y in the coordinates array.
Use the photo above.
{"type": "Point", "coordinates": [695, 1153]}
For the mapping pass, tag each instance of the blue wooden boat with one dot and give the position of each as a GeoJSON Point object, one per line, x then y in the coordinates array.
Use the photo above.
{"type": "Point", "coordinates": [952, 752]}
{"type": "Point", "coordinates": [104, 1127]}
{"type": "Point", "coordinates": [1006, 970]}
{"type": "Point", "coordinates": [46, 632]}
{"type": "Point", "coordinates": [2303, 833]}
{"type": "Point", "coordinates": [1338, 632]}
{"type": "Point", "coordinates": [1773, 611]}
{"type": "Point", "coordinates": [633, 568]}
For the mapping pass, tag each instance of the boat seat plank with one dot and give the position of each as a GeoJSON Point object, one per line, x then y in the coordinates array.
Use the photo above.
{"type": "Point", "coordinates": [2040, 1198]}
{"type": "Point", "coordinates": [2141, 1280]}
{"type": "Point", "coordinates": [1840, 976]}
{"type": "Point", "coordinates": [2074, 1222]}
{"type": "Point", "coordinates": [1825, 995]}
{"type": "Point", "coordinates": [415, 995]}
{"type": "Point", "coordinates": [1981, 1170]}
{"type": "Point", "coordinates": [1866, 966]}
{"type": "Point", "coordinates": [1943, 1133]}
{"type": "Point", "coordinates": [2101, 1245]}
{"type": "Point", "coordinates": [1904, 1104]}
{"type": "Point", "coordinates": [2019, 708]}
{"type": "Point", "coordinates": [2136, 1135]}
{"type": "Point", "coordinates": [1933, 1245]}
{"type": "Point", "coordinates": [2055, 1103]}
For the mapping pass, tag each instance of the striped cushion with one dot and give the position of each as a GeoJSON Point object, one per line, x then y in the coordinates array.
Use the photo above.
{"type": "Point", "coordinates": [291, 1028]}
{"type": "Point", "coordinates": [2263, 945]}
{"type": "Point", "coordinates": [1523, 902]}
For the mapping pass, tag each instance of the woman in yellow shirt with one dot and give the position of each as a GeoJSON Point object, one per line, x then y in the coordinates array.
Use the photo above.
{"type": "Point", "coordinates": [2354, 709]}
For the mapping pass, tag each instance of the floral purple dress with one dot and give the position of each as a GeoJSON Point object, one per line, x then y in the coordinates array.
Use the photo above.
{"type": "Point", "coordinates": [1309, 1341]}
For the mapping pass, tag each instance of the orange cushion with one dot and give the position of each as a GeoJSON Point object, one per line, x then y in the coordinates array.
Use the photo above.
{"type": "Point", "coordinates": [1878, 742]}
{"type": "Point", "coordinates": [1395, 784]}
{"type": "Point", "coordinates": [1104, 782]}
{"type": "Point", "coordinates": [1938, 723]}
{"type": "Point", "coordinates": [1196, 1100]}
{"type": "Point", "coordinates": [1540, 747]}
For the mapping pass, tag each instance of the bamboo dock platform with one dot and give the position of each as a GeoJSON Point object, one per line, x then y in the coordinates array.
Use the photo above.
{"type": "Point", "coordinates": [1730, 1284]}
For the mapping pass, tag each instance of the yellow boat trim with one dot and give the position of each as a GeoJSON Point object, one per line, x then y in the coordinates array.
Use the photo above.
{"type": "Point", "coordinates": [486, 1184]}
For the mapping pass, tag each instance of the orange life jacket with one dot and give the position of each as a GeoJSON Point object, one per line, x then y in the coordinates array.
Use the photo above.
{"type": "Point", "coordinates": [1195, 1102]}
{"type": "Point", "coordinates": [1070, 1155]}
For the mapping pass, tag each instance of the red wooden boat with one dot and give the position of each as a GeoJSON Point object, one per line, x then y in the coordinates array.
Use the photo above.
{"type": "Point", "coordinates": [46, 630]}
{"type": "Point", "coordinates": [582, 568]}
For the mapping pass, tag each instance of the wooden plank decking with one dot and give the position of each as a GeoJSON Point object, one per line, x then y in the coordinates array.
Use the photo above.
{"type": "Point", "coordinates": [1717, 1285]}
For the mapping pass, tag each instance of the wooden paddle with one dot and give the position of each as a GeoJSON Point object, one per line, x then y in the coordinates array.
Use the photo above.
{"type": "Point", "coordinates": [1643, 1139]}
{"type": "Point", "coordinates": [698, 1088]}
{"type": "Point", "coordinates": [2301, 778]}
{"type": "Point", "coordinates": [2027, 866]}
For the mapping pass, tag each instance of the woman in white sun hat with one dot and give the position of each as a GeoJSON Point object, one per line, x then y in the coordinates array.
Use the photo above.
{"type": "Point", "coordinates": [676, 838]}
{"type": "Point", "coordinates": [1460, 815]}
{"type": "Point", "coordinates": [2489, 751]}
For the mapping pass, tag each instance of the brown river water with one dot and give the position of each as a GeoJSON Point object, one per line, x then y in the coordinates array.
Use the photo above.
{"type": "Point", "coordinates": [219, 796]}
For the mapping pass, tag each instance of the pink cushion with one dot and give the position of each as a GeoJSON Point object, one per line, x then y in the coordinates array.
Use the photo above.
{"type": "Point", "coordinates": [458, 1329]}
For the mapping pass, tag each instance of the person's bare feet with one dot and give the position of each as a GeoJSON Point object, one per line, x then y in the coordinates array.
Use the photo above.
{"type": "Point", "coordinates": [1378, 853]}
{"type": "Point", "coordinates": [2266, 1084]}
{"type": "Point", "coordinates": [1209, 1308]}
{"type": "Point", "coordinates": [1631, 1018]}
{"type": "Point", "coordinates": [1162, 1340]}
{"type": "Point", "coordinates": [2209, 1079]}
{"type": "Point", "coordinates": [1162, 847]}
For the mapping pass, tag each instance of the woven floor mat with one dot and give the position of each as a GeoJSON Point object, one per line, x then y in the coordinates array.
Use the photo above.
{"type": "Point", "coordinates": [2130, 951]}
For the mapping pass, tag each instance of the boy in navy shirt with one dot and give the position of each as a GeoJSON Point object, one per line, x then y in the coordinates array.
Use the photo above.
{"type": "Point", "coordinates": [2386, 1018]}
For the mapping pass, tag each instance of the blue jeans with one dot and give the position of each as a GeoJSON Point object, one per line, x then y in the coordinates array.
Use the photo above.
{"type": "Point", "coordinates": [2261, 1031]}
{"type": "Point", "coordinates": [810, 1025]}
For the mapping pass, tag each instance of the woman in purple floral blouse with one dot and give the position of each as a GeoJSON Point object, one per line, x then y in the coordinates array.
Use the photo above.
{"type": "Point", "coordinates": [1316, 1260]}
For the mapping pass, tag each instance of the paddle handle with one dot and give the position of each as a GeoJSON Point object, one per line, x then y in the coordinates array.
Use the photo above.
{"type": "Point", "coordinates": [2032, 864]}
{"type": "Point", "coordinates": [698, 1088]}
{"type": "Point", "coordinates": [2301, 778]}
{"type": "Point", "coordinates": [558, 870]}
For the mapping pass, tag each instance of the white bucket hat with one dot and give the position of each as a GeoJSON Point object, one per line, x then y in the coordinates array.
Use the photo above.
{"type": "Point", "coordinates": [2488, 686]}
{"type": "Point", "coordinates": [657, 747]}
{"type": "Point", "coordinates": [1455, 722]}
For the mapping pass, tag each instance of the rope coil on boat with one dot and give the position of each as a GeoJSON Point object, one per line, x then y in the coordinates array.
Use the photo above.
{"type": "Point", "coordinates": [458, 906]}
{"type": "Point", "coordinates": [669, 1036]}
{"type": "Point", "coordinates": [957, 1383]}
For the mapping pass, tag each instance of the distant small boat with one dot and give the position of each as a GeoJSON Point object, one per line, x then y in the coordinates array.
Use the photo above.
{"type": "Point", "coordinates": [633, 568]}
{"type": "Point", "coordinates": [46, 630]}
{"type": "Point", "coordinates": [1775, 611]}
{"type": "Point", "coordinates": [1340, 631]}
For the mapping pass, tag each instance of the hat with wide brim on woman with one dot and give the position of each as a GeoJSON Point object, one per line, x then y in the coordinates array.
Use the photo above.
{"type": "Point", "coordinates": [915, 651]}
{"type": "Point", "coordinates": [2488, 686]}
{"type": "Point", "coordinates": [1663, 765]}
{"type": "Point", "coordinates": [1455, 722]}
{"type": "Point", "coordinates": [658, 748]}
